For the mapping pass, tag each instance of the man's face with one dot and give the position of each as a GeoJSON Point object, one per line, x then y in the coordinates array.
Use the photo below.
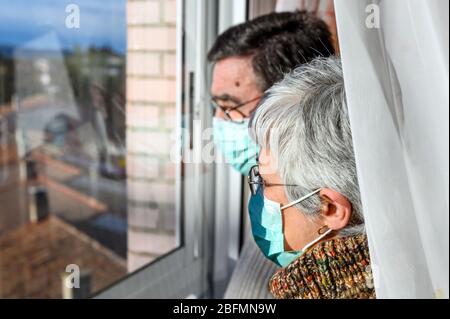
{"type": "Point", "coordinates": [234, 83]}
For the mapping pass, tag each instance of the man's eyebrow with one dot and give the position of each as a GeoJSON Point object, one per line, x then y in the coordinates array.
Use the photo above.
{"type": "Point", "coordinates": [227, 97]}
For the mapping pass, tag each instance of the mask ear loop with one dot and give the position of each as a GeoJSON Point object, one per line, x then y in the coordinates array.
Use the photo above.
{"type": "Point", "coordinates": [322, 235]}
{"type": "Point", "coordinates": [300, 199]}
{"type": "Point", "coordinates": [320, 231]}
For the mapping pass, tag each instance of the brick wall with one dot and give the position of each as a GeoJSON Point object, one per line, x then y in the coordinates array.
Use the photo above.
{"type": "Point", "coordinates": [150, 116]}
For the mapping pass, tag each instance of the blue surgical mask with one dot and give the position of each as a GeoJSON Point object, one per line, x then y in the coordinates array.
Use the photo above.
{"type": "Point", "coordinates": [234, 142]}
{"type": "Point", "coordinates": [267, 228]}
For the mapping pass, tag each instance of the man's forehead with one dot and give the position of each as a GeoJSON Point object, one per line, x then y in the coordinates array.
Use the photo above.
{"type": "Point", "coordinates": [234, 63]}
{"type": "Point", "coordinates": [231, 74]}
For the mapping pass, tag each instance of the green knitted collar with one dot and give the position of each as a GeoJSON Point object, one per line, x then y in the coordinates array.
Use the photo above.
{"type": "Point", "coordinates": [337, 268]}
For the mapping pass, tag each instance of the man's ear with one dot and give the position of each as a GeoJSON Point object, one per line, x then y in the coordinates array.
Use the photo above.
{"type": "Point", "coordinates": [336, 209]}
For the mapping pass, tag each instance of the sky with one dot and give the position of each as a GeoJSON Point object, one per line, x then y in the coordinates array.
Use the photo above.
{"type": "Point", "coordinates": [102, 23]}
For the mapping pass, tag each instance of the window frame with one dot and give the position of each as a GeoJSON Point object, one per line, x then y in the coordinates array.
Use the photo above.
{"type": "Point", "coordinates": [185, 270]}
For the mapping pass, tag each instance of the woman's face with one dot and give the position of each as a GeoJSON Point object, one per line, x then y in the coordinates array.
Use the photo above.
{"type": "Point", "coordinates": [298, 229]}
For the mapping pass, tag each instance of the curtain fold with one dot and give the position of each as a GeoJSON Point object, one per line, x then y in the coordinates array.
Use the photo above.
{"type": "Point", "coordinates": [396, 78]}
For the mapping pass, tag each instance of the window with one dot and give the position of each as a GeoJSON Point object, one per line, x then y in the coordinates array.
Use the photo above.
{"type": "Point", "coordinates": [88, 189]}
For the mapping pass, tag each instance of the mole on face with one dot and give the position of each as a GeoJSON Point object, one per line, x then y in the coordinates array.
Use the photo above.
{"type": "Point", "coordinates": [237, 84]}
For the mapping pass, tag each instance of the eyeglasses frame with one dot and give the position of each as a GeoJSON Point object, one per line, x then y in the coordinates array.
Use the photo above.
{"type": "Point", "coordinates": [227, 111]}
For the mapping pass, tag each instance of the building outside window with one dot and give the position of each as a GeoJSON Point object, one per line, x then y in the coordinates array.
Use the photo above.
{"type": "Point", "coordinates": [87, 113]}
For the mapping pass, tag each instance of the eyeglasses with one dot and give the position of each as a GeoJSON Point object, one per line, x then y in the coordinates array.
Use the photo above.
{"type": "Point", "coordinates": [233, 114]}
{"type": "Point", "coordinates": [255, 180]}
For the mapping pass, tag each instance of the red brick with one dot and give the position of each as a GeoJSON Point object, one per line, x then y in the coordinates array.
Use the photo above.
{"type": "Point", "coordinates": [136, 261]}
{"type": "Point", "coordinates": [146, 142]}
{"type": "Point", "coordinates": [170, 117]}
{"type": "Point", "coordinates": [143, 63]}
{"type": "Point", "coordinates": [142, 116]}
{"type": "Point", "coordinates": [151, 90]}
{"type": "Point", "coordinates": [142, 12]}
{"type": "Point", "coordinates": [143, 217]}
{"type": "Point", "coordinates": [152, 38]}
{"type": "Point", "coordinates": [169, 64]}
{"type": "Point", "coordinates": [142, 166]}
{"type": "Point", "coordinates": [145, 192]}
{"type": "Point", "coordinates": [152, 243]}
{"type": "Point", "coordinates": [170, 11]}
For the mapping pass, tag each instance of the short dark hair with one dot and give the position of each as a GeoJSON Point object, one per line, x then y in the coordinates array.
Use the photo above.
{"type": "Point", "coordinates": [277, 42]}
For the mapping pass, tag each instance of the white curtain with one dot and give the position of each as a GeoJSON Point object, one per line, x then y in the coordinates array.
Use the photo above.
{"type": "Point", "coordinates": [397, 83]}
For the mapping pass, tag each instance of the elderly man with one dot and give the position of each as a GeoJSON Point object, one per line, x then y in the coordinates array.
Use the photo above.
{"type": "Point", "coordinates": [248, 59]}
{"type": "Point", "coordinates": [305, 210]}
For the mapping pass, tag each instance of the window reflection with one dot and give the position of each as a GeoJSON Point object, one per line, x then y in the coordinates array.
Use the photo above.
{"type": "Point", "coordinates": [77, 187]}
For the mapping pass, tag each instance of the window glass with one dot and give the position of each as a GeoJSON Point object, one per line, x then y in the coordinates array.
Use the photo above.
{"type": "Point", "coordinates": [87, 111]}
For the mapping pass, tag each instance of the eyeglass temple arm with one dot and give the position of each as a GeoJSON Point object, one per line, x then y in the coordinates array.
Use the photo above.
{"type": "Point", "coordinates": [235, 108]}
{"type": "Point", "coordinates": [268, 184]}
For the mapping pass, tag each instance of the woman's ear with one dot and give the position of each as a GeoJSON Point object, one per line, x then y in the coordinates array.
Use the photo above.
{"type": "Point", "coordinates": [336, 210]}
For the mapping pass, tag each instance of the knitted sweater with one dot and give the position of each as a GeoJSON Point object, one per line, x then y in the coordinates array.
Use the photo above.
{"type": "Point", "coordinates": [337, 268]}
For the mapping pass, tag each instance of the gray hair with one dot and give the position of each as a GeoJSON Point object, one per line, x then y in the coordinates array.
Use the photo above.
{"type": "Point", "coordinates": [303, 120]}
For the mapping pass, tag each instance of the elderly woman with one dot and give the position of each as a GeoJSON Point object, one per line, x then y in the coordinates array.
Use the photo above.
{"type": "Point", "coordinates": [305, 209]}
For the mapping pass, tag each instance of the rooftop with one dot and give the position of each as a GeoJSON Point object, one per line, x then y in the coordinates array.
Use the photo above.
{"type": "Point", "coordinates": [36, 254]}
